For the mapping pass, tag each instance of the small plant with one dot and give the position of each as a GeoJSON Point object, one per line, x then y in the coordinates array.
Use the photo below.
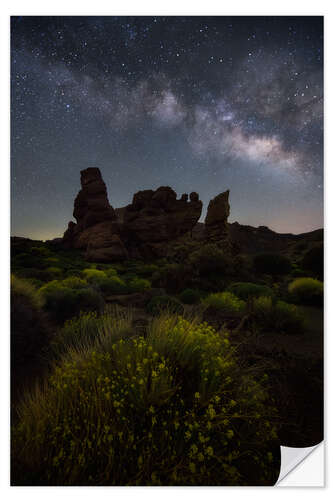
{"type": "Point", "coordinates": [164, 303]}
{"type": "Point", "coordinates": [189, 296]}
{"type": "Point", "coordinates": [273, 264]}
{"type": "Point", "coordinates": [209, 260]}
{"type": "Point", "coordinates": [246, 290]}
{"type": "Point", "coordinates": [307, 291]}
{"type": "Point", "coordinates": [225, 302]}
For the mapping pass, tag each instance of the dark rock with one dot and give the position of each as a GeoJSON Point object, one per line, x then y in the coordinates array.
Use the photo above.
{"type": "Point", "coordinates": [97, 230]}
{"type": "Point", "coordinates": [216, 222]}
{"type": "Point", "coordinates": [154, 218]}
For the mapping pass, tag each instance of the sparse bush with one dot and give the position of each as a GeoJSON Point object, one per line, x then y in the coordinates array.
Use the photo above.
{"type": "Point", "coordinates": [131, 414]}
{"type": "Point", "coordinates": [247, 290]}
{"type": "Point", "coordinates": [164, 303]}
{"type": "Point", "coordinates": [225, 302]}
{"type": "Point", "coordinates": [307, 291]}
{"type": "Point", "coordinates": [190, 296]}
{"type": "Point", "coordinates": [277, 316]}
{"type": "Point", "coordinates": [273, 264]}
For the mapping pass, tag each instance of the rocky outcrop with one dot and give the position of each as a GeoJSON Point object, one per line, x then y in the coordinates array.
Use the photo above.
{"type": "Point", "coordinates": [154, 218]}
{"type": "Point", "coordinates": [96, 230]}
{"type": "Point", "coordinates": [216, 222]}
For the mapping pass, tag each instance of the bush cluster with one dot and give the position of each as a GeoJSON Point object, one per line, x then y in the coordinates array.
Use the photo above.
{"type": "Point", "coordinates": [171, 409]}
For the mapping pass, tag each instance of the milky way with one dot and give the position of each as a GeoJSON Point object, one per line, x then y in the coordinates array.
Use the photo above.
{"type": "Point", "coordinates": [198, 103]}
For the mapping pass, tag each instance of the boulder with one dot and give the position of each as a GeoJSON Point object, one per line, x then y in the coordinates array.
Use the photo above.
{"type": "Point", "coordinates": [216, 222]}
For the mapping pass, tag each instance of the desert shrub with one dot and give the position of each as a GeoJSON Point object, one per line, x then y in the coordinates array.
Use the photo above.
{"type": "Point", "coordinates": [29, 332]}
{"type": "Point", "coordinates": [225, 302]}
{"type": "Point", "coordinates": [164, 303]}
{"type": "Point", "coordinates": [51, 260]}
{"type": "Point", "coordinates": [313, 261]}
{"type": "Point", "coordinates": [190, 296]}
{"type": "Point", "coordinates": [246, 290]}
{"type": "Point", "coordinates": [89, 330]}
{"type": "Point", "coordinates": [138, 285]}
{"type": "Point", "coordinates": [172, 409]}
{"type": "Point", "coordinates": [209, 260]}
{"type": "Point", "coordinates": [273, 264]}
{"type": "Point", "coordinates": [108, 284]}
{"type": "Point", "coordinates": [63, 302]}
{"type": "Point", "coordinates": [276, 316]}
{"type": "Point", "coordinates": [307, 291]}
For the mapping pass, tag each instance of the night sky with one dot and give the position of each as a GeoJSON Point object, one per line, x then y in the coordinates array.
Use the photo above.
{"type": "Point", "coordinates": [197, 103]}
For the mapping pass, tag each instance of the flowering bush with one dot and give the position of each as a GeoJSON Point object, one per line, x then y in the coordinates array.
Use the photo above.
{"type": "Point", "coordinates": [170, 409]}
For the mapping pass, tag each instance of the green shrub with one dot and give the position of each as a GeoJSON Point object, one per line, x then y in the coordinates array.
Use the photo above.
{"type": "Point", "coordinates": [210, 260]}
{"type": "Point", "coordinates": [164, 303]}
{"type": "Point", "coordinates": [307, 291]}
{"type": "Point", "coordinates": [190, 296]}
{"type": "Point", "coordinates": [108, 284]}
{"type": "Point", "coordinates": [225, 302]}
{"type": "Point", "coordinates": [246, 290]}
{"type": "Point", "coordinates": [172, 409]}
{"type": "Point", "coordinates": [110, 272]}
{"type": "Point", "coordinates": [313, 261]}
{"type": "Point", "coordinates": [63, 302]}
{"type": "Point", "coordinates": [74, 282]}
{"type": "Point", "coordinates": [139, 285]}
{"type": "Point", "coordinates": [273, 264]}
{"type": "Point", "coordinates": [277, 317]}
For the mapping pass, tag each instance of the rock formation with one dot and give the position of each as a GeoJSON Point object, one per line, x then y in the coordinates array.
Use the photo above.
{"type": "Point", "coordinates": [216, 222]}
{"type": "Point", "coordinates": [96, 230]}
{"type": "Point", "coordinates": [149, 227]}
{"type": "Point", "coordinates": [154, 218]}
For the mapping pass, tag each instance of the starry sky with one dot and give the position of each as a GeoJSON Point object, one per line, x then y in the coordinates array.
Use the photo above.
{"type": "Point", "coordinates": [197, 103]}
